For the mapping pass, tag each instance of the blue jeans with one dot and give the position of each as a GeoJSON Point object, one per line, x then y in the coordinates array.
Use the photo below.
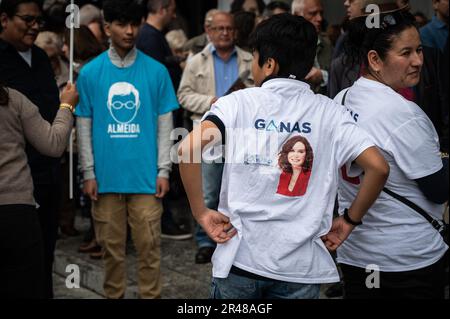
{"type": "Point", "coordinates": [240, 287]}
{"type": "Point", "coordinates": [212, 180]}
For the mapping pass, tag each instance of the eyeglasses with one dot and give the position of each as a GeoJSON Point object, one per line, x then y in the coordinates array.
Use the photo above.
{"type": "Point", "coordinates": [223, 29]}
{"type": "Point", "coordinates": [31, 20]}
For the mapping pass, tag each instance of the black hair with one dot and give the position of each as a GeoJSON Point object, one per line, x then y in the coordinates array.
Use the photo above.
{"type": "Point", "coordinates": [290, 40]}
{"type": "Point", "coordinates": [124, 11]}
{"type": "Point", "coordinates": [154, 5]}
{"type": "Point", "coordinates": [278, 5]}
{"type": "Point", "coordinates": [244, 23]}
{"type": "Point", "coordinates": [361, 39]}
{"type": "Point", "coordinates": [10, 7]}
{"type": "Point", "coordinates": [55, 16]}
{"type": "Point", "coordinates": [237, 5]}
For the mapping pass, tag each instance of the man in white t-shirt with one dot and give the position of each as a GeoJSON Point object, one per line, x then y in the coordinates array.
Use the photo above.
{"type": "Point", "coordinates": [284, 145]}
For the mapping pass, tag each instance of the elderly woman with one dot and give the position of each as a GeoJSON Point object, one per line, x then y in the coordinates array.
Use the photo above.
{"type": "Point", "coordinates": [20, 235]}
{"type": "Point", "coordinates": [295, 160]}
{"type": "Point", "coordinates": [406, 251]}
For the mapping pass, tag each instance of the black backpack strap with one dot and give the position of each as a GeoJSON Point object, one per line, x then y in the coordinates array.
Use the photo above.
{"type": "Point", "coordinates": [435, 223]}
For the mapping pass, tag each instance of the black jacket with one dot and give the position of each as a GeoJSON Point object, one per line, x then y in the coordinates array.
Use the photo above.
{"type": "Point", "coordinates": [38, 84]}
{"type": "Point", "coordinates": [432, 92]}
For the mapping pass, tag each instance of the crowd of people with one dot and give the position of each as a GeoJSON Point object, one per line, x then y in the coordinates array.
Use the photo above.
{"type": "Point", "coordinates": [358, 115]}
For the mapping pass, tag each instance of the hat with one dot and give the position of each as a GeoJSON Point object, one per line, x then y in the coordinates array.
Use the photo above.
{"type": "Point", "coordinates": [386, 6]}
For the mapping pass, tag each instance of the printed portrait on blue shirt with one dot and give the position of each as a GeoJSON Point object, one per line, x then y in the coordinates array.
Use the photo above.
{"type": "Point", "coordinates": [123, 102]}
{"type": "Point", "coordinates": [296, 162]}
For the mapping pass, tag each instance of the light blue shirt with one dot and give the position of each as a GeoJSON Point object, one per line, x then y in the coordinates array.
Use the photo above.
{"type": "Point", "coordinates": [434, 34]}
{"type": "Point", "coordinates": [124, 105]}
{"type": "Point", "coordinates": [225, 72]}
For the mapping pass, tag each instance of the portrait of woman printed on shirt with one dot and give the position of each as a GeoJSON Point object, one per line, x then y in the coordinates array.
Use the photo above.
{"type": "Point", "coordinates": [295, 161]}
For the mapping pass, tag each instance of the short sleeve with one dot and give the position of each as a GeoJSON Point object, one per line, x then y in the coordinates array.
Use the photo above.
{"type": "Point", "coordinates": [415, 148]}
{"type": "Point", "coordinates": [84, 107]}
{"type": "Point", "coordinates": [350, 141]}
{"type": "Point", "coordinates": [167, 99]}
{"type": "Point", "coordinates": [225, 109]}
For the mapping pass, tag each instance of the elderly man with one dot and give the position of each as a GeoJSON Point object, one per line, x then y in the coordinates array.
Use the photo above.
{"type": "Point", "coordinates": [209, 75]}
{"type": "Point", "coordinates": [312, 10]}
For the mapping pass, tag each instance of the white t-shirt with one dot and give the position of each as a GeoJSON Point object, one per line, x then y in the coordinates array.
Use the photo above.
{"type": "Point", "coordinates": [393, 236]}
{"type": "Point", "coordinates": [279, 228]}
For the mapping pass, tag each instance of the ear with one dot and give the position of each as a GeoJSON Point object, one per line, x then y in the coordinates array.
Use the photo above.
{"type": "Point", "coordinates": [107, 28]}
{"type": "Point", "coordinates": [3, 20]}
{"type": "Point", "coordinates": [271, 67]}
{"type": "Point", "coordinates": [375, 62]}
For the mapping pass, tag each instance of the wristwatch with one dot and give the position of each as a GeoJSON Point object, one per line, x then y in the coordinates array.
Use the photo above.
{"type": "Point", "coordinates": [349, 220]}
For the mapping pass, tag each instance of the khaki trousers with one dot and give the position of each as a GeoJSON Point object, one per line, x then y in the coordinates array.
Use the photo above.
{"type": "Point", "coordinates": [143, 213]}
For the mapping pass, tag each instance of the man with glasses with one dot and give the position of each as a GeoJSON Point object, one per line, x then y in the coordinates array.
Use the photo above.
{"type": "Point", "coordinates": [26, 68]}
{"type": "Point", "coordinates": [208, 76]}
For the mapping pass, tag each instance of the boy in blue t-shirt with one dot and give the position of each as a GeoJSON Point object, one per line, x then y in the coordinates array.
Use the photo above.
{"type": "Point", "coordinates": [124, 125]}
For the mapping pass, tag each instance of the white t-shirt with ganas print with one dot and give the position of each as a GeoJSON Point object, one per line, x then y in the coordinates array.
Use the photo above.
{"type": "Point", "coordinates": [279, 227]}
{"type": "Point", "coordinates": [393, 236]}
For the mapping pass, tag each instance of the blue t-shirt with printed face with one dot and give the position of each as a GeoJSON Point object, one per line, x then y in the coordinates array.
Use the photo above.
{"type": "Point", "coordinates": [124, 104]}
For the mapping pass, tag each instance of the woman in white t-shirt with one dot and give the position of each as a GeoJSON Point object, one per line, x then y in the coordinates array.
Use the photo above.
{"type": "Point", "coordinates": [396, 252]}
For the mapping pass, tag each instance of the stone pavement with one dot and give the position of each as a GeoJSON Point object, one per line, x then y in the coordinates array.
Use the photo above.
{"type": "Point", "coordinates": [181, 277]}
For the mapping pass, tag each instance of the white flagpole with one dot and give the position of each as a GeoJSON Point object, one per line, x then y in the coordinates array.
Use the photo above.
{"type": "Point", "coordinates": [72, 22]}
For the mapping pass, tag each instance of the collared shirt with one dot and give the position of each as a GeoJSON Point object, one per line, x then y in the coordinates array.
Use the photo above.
{"type": "Point", "coordinates": [434, 34]}
{"type": "Point", "coordinates": [225, 72]}
{"type": "Point", "coordinates": [126, 62]}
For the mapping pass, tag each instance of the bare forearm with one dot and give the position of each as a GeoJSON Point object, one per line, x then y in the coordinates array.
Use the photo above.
{"type": "Point", "coordinates": [192, 180]}
{"type": "Point", "coordinates": [376, 173]}
{"type": "Point", "coordinates": [191, 169]}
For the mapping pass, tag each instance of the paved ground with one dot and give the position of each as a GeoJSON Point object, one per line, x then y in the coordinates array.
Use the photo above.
{"type": "Point", "coordinates": [181, 277]}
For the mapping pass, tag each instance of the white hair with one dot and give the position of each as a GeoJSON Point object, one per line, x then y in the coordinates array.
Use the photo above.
{"type": "Point", "coordinates": [209, 16]}
{"type": "Point", "coordinates": [176, 39]}
{"type": "Point", "coordinates": [297, 7]}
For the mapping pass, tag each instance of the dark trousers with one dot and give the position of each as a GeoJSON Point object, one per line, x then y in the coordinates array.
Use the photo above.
{"type": "Point", "coordinates": [22, 260]}
{"type": "Point", "coordinates": [425, 283]}
{"type": "Point", "coordinates": [49, 199]}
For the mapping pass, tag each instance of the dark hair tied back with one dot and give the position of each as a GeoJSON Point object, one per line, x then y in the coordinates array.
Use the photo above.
{"type": "Point", "coordinates": [361, 39]}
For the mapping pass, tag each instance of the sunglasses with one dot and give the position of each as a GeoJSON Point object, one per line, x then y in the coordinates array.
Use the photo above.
{"type": "Point", "coordinates": [31, 20]}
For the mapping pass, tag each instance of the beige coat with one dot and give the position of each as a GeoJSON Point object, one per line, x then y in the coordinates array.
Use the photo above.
{"type": "Point", "coordinates": [198, 88]}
